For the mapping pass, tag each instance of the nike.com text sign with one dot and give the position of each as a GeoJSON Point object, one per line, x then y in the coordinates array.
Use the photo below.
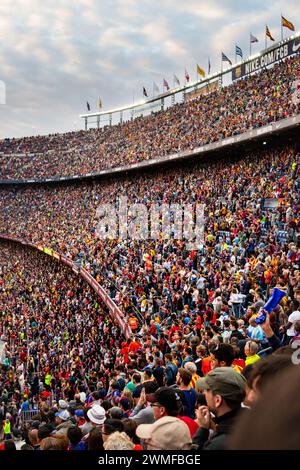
{"type": "Point", "coordinates": [268, 58]}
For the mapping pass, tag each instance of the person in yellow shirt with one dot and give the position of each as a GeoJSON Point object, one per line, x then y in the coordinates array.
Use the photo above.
{"type": "Point", "coordinates": [143, 304]}
{"type": "Point", "coordinates": [48, 381]}
{"type": "Point", "coordinates": [251, 349]}
{"type": "Point", "coordinates": [6, 427]}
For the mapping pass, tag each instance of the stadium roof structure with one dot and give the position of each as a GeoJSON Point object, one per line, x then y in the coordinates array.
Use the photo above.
{"type": "Point", "coordinates": [252, 64]}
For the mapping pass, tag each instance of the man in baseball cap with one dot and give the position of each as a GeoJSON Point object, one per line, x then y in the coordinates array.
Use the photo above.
{"type": "Point", "coordinates": [62, 415]}
{"type": "Point", "coordinates": [167, 433]}
{"type": "Point", "coordinates": [224, 390]}
{"type": "Point", "coordinates": [165, 402]}
{"type": "Point", "coordinates": [169, 402]}
{"type": "Point", "coordinates": [62, 421]}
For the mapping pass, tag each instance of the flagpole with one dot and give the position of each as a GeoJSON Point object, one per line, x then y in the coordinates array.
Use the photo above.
{"type": "Point", "coordinates": [266, 38]}
{"type": "Point", "coordinates": [221, 71]}
{"type": "Point", "coordinates": [250, 45]}
{"type": "Point", "coordinates": [281, 28]}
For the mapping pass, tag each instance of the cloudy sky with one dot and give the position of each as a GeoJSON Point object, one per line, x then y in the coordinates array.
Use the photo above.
{"type": "Point", "coordinates": [56, 54]}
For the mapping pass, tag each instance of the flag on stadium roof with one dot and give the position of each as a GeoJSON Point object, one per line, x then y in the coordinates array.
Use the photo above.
{"type": "Point", "coordinates": [287, 24]}
{"type": "Point", "coordinates": [155, 88]}
{"type": "Point", "coordinates": [88, 106]}
{"type": "Point", "coordinates": [186, 76]}
{"type": "Point", "coordinates": [253, 38]}
{"type": "Point", "coordinates": [238, 51]}
{"type": "Point", "coordinates": [100, 104]}
{"type": "Point", "coordinates": [176, 80]}
{"type": "Point", "coordinates": [225, 58]}
{"type": "Point", "coordinates": [209, 66]}
{"type": "Point", "coordinates": [268, 34]}
{"type": "Point", "coordinates": [165, 83]}
{"type": "Point", "coordinates": [200, 71]}
{"type": "Point", "coordinates": [145, 92]}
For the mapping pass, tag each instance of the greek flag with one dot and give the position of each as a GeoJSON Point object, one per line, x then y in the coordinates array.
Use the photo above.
{"type": "Point", "coordinates": [238, 51]}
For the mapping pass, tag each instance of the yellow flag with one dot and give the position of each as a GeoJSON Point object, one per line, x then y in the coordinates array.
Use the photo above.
{"type": "Point", "coordinates": [200, 71]}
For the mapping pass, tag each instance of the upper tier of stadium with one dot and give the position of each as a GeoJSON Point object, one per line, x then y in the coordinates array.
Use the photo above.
{"type": "Point", "coordinates": [248, 104]}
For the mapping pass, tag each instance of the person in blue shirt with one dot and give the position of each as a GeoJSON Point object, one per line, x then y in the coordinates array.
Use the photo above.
{"type": "Point", "coordinates": [75, 437]}
{"type": "Point", "coordinates": [25, 405]}
{"type": "Point", "coordinates": [255, 332]}
{"type": "Point", "coordinates": [171, 370]}
{"type": "Point", "coordinates": [187, 353]}
{"type": "Point", "coordinates": [190, 396]}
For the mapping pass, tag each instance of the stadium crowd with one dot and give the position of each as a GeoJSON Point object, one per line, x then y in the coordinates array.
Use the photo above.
{"type": "Point", "coordinates": [160, 275]}
{"type": "Point", "coordinates": [199, 370]}
{"type": "Point", "coordinates": [247, 104]}
{"type": "Point", "coordinates": [198, 365]}
{"type": "Point", "coordinates": [56, 336]}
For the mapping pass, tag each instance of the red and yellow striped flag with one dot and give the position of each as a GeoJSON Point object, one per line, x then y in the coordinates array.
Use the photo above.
{"type": "Point", "coordinates": [287, 24]}
{"type": "Point", "coordinates": [268, 34]}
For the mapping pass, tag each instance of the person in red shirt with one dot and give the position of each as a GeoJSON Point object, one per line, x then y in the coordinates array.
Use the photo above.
{"type": "Point", "coordinates": [206, 365]}
{"type": "Point", "coordinates": [192, 425]}
{"type": "Point", "coordinates": [198, 325]}
{"type": "Point", "coordinates": [133, 346]}
{"type": "Point", "coordinates": [125, 352]}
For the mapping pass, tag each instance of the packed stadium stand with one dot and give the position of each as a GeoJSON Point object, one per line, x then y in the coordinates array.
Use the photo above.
{"type": "Point", "coordinates": [247, 104]}
{"type": "Point", "coordinates": [69, 378]}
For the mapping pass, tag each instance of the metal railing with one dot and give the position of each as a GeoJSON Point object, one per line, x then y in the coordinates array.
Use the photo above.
{"type": "Point", "coordinates": [27, 415]}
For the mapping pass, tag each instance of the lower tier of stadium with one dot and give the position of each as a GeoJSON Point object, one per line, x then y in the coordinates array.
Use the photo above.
{"type": "Point", "coordinates": [66, 368]}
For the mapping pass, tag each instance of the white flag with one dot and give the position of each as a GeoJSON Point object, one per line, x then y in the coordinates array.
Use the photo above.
{"type": "Point", "coordinates": [155, 88]}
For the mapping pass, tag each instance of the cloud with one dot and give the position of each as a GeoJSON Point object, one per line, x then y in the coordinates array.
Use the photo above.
{"type": "Point", "coordinates": [55, 55]}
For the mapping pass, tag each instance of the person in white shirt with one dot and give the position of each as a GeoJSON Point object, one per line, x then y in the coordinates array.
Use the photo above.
{"type": "Point", "coordinates": [201, 283]}
{"type": "Point", "coordinates": [236, 300]}
{"type": "Point", "coordinates": [195, 296]}
{"type": "Point", "coordinates": [293, 318]}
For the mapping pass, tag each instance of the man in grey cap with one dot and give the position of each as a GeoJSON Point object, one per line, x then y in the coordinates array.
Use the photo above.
{"type": "Point", "coordinates": [224, 390]}
{"type": "Point", "coordinates": [62, 421]}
